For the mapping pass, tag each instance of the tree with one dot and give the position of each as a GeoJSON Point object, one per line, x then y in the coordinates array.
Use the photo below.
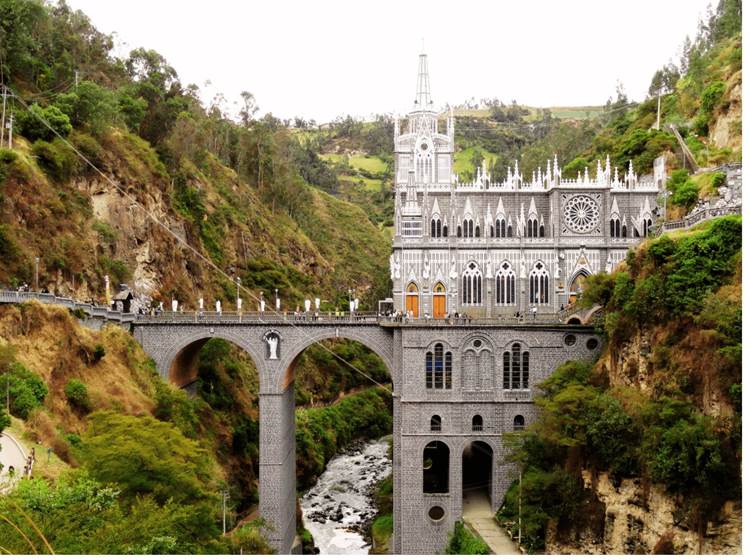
{"type": "Point", "coordinates": [89, 105]}
{"type": "Point", "coordinates": [32, 125]}
{"type": "Point", "coordinates": [664, 79]}
{"type": "Point", "coordinates": [146, 457]}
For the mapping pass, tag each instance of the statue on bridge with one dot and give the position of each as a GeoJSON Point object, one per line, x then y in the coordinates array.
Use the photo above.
{"type": "Point", "coordinates": [272, 341]}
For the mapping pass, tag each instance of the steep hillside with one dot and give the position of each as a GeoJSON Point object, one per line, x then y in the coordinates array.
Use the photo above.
{"type": "Point", "coordinates": [95, 401]}
{"type": "Point", "coordinates": [239, 193]}
{"type": "Point", "coordinates": [640, 452]}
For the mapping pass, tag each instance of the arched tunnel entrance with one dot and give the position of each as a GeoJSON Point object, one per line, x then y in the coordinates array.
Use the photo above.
{"type": "Point", "coordinates": [477, 465]}
{"type": "Point", "coordinates": [286, 455]}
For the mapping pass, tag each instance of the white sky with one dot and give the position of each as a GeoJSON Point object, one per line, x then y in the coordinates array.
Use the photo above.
{"type": "Point", "coordinates": [320, 59]}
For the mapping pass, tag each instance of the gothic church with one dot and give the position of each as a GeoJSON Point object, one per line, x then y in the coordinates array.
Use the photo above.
{"type": "Point", "coordinates": [491, 247]}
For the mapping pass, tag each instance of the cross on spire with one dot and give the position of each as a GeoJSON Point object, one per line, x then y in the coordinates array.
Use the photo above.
{"type": "Point", "coordinates": [423, 100]}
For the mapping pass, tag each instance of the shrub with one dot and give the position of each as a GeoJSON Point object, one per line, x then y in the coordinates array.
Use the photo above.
{"type": "Point", "coordinates": [77, 395]}
{"type": "Point", "coordinates": [711, 95]}
{"type": "Point", "coordinates": [99, 352]}
{"type": "Point", "coordinates": [55, 158]}
{"type": "Point", "coordinates": [31, 122]}
{"type": "Point", "coordinates": [26, 390]}
{"type": "Point", "coordinates": [686, 195]}
{"type": "Point", "coordinates": [463, 541]}
{"type": "Point", "coordinates": [152, 458]}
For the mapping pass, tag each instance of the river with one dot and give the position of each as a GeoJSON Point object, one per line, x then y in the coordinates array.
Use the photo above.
{"type": "Point", "coordinates": [339, 504]}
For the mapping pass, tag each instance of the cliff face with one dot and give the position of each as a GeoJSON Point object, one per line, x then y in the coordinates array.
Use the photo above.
{"type": "Point", "coordinates": [642, 519]}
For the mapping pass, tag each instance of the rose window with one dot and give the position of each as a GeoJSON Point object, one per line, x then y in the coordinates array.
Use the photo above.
{"type": "Point", "coordinates": [581, 214]}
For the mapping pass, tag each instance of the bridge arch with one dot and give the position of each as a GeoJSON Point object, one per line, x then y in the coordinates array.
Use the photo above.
{"type": "Point", "coordinates": [377, 340]}
{"type": "Point", "coordinates": [179, 364]}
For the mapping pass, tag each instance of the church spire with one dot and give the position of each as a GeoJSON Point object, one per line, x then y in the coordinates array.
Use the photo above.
{"type": "Point", "coordinates": [423, 100]}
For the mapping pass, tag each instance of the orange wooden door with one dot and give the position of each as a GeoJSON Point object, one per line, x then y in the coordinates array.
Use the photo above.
{"type": "Point", "coordinates": [438, 306]}
{"type": "Point", "coordinates": [412, 304]}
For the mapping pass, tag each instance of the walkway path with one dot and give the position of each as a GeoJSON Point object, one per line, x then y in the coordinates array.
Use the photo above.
{"type": "Point", "coordinates": [11, 454]}
{"type": "Point", "coordinates": [479, 515]}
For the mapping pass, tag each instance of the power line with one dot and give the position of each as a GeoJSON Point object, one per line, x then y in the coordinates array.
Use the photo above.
{"type": "Point", "coordinates": [185, 244]}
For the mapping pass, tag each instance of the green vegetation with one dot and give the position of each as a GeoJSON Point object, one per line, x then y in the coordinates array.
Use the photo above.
{"type": "Point", "coordinates": [78, 395]}
{"type": "Point", "coordinates": [463, 541]}
{"type": "Point", "coordinates": [321, 432]}
{"type": "Point", "coordinates": [681, 293]}
{"type": "Point", "coordinates": [25, 389]}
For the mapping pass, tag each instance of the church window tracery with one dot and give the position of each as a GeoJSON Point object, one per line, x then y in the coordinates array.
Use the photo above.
{"type": "Point", "coordinates": [505, 285]}
{"type": "Point", "coordinates": [471, 283]}
{"type": "Point", "coordinates": [539, 284]}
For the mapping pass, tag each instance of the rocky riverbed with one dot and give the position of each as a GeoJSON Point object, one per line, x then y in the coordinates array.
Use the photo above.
{"type": "Point", "coordinates": [338, 509]}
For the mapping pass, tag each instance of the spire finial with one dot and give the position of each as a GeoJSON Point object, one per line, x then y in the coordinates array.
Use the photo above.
{"type": "Point", "coordinates": [423, 100]}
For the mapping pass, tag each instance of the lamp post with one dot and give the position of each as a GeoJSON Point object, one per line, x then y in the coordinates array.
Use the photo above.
{"type": "Point", "coordinates": [278, 301]}
{"type": "Point", "coordinates": [36, 274]}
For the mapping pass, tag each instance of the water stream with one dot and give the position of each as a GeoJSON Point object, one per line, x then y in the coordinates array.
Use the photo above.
{"type": "Point", "coordinates": [338, 507]}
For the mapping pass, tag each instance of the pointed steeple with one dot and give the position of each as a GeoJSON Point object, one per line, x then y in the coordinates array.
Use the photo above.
{"type": "Point", "coordinates": [500, 207]}
{"type": "Point", "coordinates": [615, 209]}
{"type": "Point", "coordinates": [468, 210]}
{"type": "Point", "coordinates": [436, 207]}
{"type": "Point", "coordinates": [532, 208]}
{"type": "Point", "coordinates": [423, 100]}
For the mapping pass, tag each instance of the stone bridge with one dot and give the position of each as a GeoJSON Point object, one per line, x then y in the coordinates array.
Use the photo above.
{"type": "Point", "coordinates": [458, 385]}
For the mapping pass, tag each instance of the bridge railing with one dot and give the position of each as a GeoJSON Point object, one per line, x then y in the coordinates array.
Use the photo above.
{"type": "Point", "coordinates": [193, 317]}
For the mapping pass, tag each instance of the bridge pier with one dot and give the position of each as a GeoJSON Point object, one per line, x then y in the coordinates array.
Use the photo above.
{"type": "Point", "coordinates": [277, 474]}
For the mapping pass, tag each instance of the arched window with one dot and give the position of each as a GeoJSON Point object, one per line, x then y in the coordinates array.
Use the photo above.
{"type": "Point", "coordinates": [445, 230]}
{"type": "Point", "coordinates": [500, 227]}
{"type": "Point", "coordinates": [477, 424]}
{"type": "Point", "coordinates": [505, 285]}
{"type": "Point", "coordinates": [614, 227]}
{"type": "Point", "coordinates": [492, 231]}
{"type": "Point", "coordinates": [448, 370]}
{"type": "Point", "coordinates": [429, 370]}
{"type": "Point", "coordinates": [532, 228]}
{"type": "Point", "coordinates": [525, 370]}
{"type": "Point", "coordinates": [458, 231]}
{"type": "Point", "coordinates": [436, 468]}
{"type": "Point", "coordinates": [471, 282]}
{"type": "Point", "coordinates": [515, 368]}
{"type": "Point", "coordinates": [539, 284]}
{"type": "Point", "coordinates": [436, 423]}
{"type": "Point", "coordinates": [509, 231]}
{"type": "Point", "coordinates": [506, 370]}
{"type": "Point", "coordinates": [518, 423]}
{"type": "Point", "coordinates": [438, 368]}
{"type": "Point", "coordinates": [624, 230]}
{"type": "Point", "coordinates": [541, 230]}
{"type": "Point", "coordinates": [436, 229]}
{"type": "Point", "coordinates": [477, 231]}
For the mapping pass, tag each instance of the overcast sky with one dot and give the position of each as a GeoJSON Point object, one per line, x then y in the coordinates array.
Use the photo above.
{"type": "Point", "coordinates": [320, 59]}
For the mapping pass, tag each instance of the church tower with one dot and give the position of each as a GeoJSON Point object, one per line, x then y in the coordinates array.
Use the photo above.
{"type": "Point", "coordinates": [423, 160]}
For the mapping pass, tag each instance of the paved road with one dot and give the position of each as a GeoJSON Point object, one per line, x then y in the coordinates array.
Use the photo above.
{"type": "Point", "coordinates": [11, 453]}
{"type": "Point", "coordinates": [479, 515]}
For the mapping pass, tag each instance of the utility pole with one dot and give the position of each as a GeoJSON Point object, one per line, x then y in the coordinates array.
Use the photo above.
{"type": "Point", "coordinates": [2, 120]}
{"type": "Point", "coordinates": [36, 274]}
{"type": "Point", "coordinates": [76, 78]}
{"type": "Point", "coordinates": [658, 111]}
{"type": "Point", "coordinates": [10, 132]}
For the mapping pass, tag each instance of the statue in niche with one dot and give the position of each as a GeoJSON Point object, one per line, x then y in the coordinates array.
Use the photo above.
{"type": "Point", "coordinates": [393, 266]}
{"type": "Point", "coordinates": [488, 269]}
{"type": "Point", "coordinates": [426, 268]}
{"type": "Point", "coordinates": [453, 272]}
{"type": "Point", "coordinates": [609, 264]}
{"type": "Point", "coordinates": [396, 268]}
{"type": "Point", "coordinates": [523, 268]}
{"type": "Point", "coordinates": [272, 340]}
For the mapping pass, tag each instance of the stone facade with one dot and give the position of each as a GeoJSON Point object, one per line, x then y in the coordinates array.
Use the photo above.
{"type": "Point", "coordinates": [477, 387]}
{"type": "Point", "coordinates": [546, 233]}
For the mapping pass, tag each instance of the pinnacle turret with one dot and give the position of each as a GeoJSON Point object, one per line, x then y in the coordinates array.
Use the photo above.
{"type": "Point", "coordinates": [423, 100]}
